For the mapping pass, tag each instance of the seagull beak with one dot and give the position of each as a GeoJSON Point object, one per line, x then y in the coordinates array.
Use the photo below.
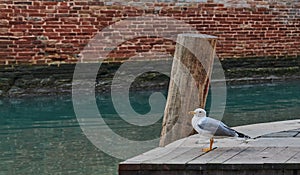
{"type": "Point", "coordinates": [192, 113]}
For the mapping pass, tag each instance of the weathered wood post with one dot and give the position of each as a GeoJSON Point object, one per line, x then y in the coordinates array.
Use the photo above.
{"type": "Point", "coordinates": [189, 84]}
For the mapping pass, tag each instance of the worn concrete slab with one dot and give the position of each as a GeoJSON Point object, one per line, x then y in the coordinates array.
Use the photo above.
{"type": "Point", "coordinates": [281, 134]}
{"type": "Point", "coordinates": [260, 129]}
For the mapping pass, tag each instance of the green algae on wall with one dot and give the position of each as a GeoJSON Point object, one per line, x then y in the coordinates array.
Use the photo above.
{"type": "Point", "coordinates": [23, 80]}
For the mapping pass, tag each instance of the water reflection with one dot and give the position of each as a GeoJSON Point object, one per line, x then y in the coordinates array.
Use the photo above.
{"type": "Point", "coordinates": [41, 135]}
{"type": "Point", "coordinates": [262, 103]}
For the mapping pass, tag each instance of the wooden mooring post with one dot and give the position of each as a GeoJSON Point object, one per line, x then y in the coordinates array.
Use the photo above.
{"type": "Point", "coordinates": [189, 84]}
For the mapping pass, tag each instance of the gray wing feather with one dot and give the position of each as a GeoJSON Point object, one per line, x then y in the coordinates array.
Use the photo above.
{"type": "Point", "coordinates": [216, 127]}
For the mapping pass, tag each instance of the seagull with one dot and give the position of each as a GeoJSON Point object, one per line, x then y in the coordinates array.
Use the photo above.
{"type": "Point", "coordinates": [212, 128]}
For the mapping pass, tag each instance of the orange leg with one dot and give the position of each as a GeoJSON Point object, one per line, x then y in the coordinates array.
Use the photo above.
{"type": "Point", "coordinates": [210, 146]}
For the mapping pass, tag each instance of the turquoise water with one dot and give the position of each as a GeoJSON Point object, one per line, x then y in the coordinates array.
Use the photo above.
{"type": "Point", "coordinates": [40, 135]}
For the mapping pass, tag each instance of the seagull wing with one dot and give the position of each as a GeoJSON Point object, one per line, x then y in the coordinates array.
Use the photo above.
{"type": "Point", "coordinates": [216, 127]}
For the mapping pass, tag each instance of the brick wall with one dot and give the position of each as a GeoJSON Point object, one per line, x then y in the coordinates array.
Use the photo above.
{"type": "Point", "coordinates": [47, 31]}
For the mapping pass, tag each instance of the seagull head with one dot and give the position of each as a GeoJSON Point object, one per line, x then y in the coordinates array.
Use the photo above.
{"type": "Point", "coordinates": [199, 112]}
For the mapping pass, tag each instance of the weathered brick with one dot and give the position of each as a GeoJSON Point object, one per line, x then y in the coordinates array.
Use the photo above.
{"type": "Point", "coordinates": [265, 29]}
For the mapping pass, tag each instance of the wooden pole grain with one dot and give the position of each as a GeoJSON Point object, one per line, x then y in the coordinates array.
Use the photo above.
{"type": "Point", "coordinates": [189, 84]}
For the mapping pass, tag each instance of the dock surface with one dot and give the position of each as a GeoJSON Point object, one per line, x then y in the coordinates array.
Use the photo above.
{"type": "Point", "coordinates": [274, 150]}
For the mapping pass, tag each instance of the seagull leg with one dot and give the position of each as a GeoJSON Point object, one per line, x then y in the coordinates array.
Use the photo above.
{"type": "Point", "coordinates": [211, 143]}
{"type": "Point", "coordinates": [210, 146]}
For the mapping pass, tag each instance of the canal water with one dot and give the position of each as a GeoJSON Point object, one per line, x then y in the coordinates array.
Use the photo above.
{"type": "Point", "coordinates": [40, 135]}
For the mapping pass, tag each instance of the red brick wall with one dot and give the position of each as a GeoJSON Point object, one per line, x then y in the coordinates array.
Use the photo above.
{"type": "Point", "coordinates": [56, 30]}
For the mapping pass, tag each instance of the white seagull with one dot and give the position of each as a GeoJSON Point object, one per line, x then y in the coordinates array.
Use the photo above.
{"type": "Point", "coordinates": [212, 128]}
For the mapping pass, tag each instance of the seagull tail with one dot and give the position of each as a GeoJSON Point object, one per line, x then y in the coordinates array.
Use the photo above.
{"type": "Point", "coordinates": [241, 135]}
